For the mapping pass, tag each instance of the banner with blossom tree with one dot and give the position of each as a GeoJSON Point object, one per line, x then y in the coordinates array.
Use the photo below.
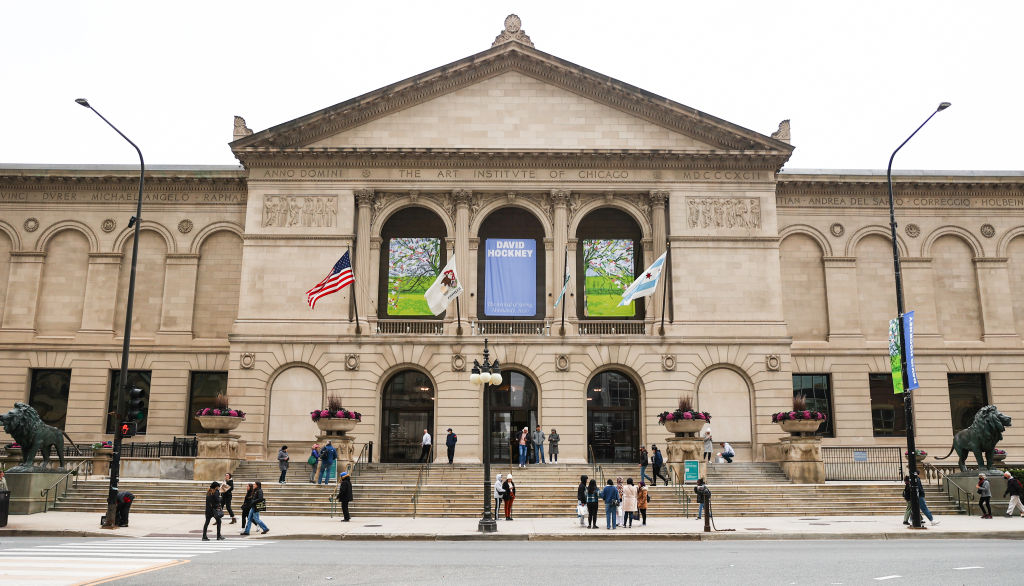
{"type": "Point", "coordinates": [608, 269]}
{"type": "Point", "coordinates": [414, 264]}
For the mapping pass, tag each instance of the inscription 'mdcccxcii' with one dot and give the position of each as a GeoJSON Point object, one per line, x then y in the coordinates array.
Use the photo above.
{"type": "Point", "coordinates": [720, 212]}
{"type": "Point", "coordinates": [308, 211]}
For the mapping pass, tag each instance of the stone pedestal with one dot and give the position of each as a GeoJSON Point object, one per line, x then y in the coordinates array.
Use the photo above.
{"type": "Point", "coordinates": [25, 488]}
{"type": "Point", "coordinates": [800, 459]}
{"type": "Point", "coordinates": [968, 482]}
{"type": "Point", "coordinates": [345, 447]}
{"type": "Point", "coordinates": [680, 449]}
{"type": "Point", "coordinates": [101, 461]}
{"type": "Point", "coordinates": [216, 455]}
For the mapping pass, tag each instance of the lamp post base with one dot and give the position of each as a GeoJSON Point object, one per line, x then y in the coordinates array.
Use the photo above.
{"type": "Point", "coordinates": [487, 525]}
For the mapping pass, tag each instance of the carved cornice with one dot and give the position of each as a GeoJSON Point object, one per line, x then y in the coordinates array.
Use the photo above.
{"type": "Point", "coordinates": [500, 59]}
{"type": "Point", "coordinates": [877, 186]}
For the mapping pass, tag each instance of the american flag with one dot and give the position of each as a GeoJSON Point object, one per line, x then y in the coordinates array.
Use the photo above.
{"type": "Point", "coordinates": [339, 277]}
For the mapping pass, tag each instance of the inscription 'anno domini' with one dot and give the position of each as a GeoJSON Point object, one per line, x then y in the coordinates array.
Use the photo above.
{"type": "Point", "coordinates": [308, 211]}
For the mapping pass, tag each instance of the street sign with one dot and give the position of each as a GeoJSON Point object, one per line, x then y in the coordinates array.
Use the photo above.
{"type": "Point", "coordinates": [691, 470]}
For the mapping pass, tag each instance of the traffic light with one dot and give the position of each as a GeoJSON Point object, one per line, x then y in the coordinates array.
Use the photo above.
{"type": "Point", "coordinates": [128, 428]}
{"type": "Point", "coordinates": [136, 405]}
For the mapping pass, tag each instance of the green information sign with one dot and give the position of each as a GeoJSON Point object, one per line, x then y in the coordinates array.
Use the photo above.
{"type": "Point", "coordinates": [691, 470]}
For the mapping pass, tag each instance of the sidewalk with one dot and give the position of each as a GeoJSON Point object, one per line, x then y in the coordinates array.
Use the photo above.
{"type": "Point", "coordinates": [429, 529]}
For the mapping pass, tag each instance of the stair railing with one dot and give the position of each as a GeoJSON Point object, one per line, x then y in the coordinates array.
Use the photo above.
{"type": "Point", "coordinates": [943, 483]}
{"type": "Point", "coordinates": [361, 461]}
{"type": "Point", "coordinates": [59, 489]}
{"type": "Point", "coordinates": [682, 497]}
{"type": "Point", "coordinates": [424, 473]}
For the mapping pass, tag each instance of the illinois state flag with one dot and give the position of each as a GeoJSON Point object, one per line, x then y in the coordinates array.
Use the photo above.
{"type": "Point", "coordinates": [646, 283]}
{"type": "Point", "coordinates": [446, 288]}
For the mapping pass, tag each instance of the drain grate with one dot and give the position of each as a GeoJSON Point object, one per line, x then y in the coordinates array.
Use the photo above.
{"type": "Point", "coordinates": [372, 525]}
{"type": "Point", "coordinates": [757, 529]}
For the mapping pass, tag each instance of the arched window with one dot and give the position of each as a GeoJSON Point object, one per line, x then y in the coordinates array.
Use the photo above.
{"type": "Point", "coordinates": [412, 253]}
{"type": "Point", "coordinates": [513, 407]}
{"type": "Point", "coordinates": [408, 409]}
{"type": "Point", "coordinates": [613, 417]}
{"type": "Point", "coordinates": [510, 266]}
{"type": "Point", "coordinates": [609, 256]}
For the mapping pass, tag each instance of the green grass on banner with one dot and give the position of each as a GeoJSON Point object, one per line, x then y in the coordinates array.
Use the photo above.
{"type": "Point", "coordinates": [603, 297]}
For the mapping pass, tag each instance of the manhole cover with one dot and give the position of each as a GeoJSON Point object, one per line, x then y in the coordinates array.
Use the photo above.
{"type": "Point", "coordinates": [372, 525]}
{"type": "Point", "coordinates": [756, 528]}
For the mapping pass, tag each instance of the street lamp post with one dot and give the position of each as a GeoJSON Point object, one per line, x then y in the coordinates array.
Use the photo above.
{"type": "Point", "coordinates": [122, 383]}
{"type": "Point", "coordinates": [486, 374]}
{"type": "Point", "coordinates": [915, 506]}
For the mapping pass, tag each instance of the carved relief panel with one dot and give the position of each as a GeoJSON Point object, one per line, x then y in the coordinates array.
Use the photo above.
{"type": "Point", "coordinates": [723, 212]}
{"type": "Point", "coordinates": [305, 211]}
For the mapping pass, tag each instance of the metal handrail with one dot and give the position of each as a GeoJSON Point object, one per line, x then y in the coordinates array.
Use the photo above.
{"type": "Point", "coordinates": [361, 461]}
{"type": "Point", "coordinates": [592, 459]}
{"type": "Point", "coordinates": [424, 469]}
{"type": "Point", "coordinates": [66, 479]}
{"type": "Point", "coordinates": [682, 497]}
{"type": "Point", "coordinates": [943, 483]}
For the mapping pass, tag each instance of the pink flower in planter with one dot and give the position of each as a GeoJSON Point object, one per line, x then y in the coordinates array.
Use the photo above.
{"type": "Point", "coordinates": [807, 414]}
{"type": "Point", "coordinates": [341, 414]}
{"type": "Point", "coordinates": [820, 415]}
{"type": "Point", "coordinates": [700, 416]}
{"type": "Point", "coordinates": [670, 417]}
{"type": "Point", "coordinates": [792, 414]}
{"type": "Point", "coordinates": [351, 414]}
{"type": "Point", "coordinates": [233, 413]}
{"type": "Point", "coordinates": [325, 413]}
{"type": "Point", "coordinates": [687, 415]}
{"type": "Point", "coordinates": [215, 412]}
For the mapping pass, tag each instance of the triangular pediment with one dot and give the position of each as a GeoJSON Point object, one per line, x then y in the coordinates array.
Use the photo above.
{"type": "Point", "coordinates": [511, 97]}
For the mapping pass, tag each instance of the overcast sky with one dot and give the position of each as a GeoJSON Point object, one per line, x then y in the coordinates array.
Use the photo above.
{"type": "Point", "coordinates": [855, 77]}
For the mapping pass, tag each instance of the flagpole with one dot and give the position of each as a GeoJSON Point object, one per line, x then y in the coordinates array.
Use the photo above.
{"type": "Point", "coordinates": [565, 271]}
{"type": "Point", "coordinates": [458, 312]}
{"type": "Point", "coordinates": [355, 307]}
{"type": "Point", "coordinates": [664, 294]}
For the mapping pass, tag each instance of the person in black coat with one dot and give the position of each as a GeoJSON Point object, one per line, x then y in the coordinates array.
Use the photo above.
{"type": "Point", "coordinates": [450, 442]}
{"type": "Point", "coordinates": [581, 495]}
{"type": "Point", "coordinates": [226, 495]}
{"type": "Point", "coordinates": [213, 509]}
{"type": "Point", "coordinates": [247, 504]}
{"type": "Point", "coordinates": [345, 494]}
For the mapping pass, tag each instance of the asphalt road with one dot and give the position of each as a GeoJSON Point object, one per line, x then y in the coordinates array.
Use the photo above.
{"type": "Point", "coordinates": [925, 561]}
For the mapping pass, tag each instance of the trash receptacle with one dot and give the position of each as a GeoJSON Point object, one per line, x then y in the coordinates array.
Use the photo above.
{"type": "Point", "coordinates": [5, 506]}
{"type": "Point", "coordinates": [124, 505]}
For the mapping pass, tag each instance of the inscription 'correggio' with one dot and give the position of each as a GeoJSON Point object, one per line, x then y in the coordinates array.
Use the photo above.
{"type": "Point", "coordinates": [719, 212]}
{"type": "Point", "coordinates": [307, 211]}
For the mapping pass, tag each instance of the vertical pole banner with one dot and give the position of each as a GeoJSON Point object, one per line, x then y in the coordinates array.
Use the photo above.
{"type": "Point", "coordinates": [908, 336]}
{"type": "Point", "coordinates": [894, 356]}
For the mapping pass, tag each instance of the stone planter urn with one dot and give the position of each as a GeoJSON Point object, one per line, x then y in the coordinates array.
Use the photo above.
{"type": "Point", "coordinates": [999, 457]}
{"type": "Point", "coordinates": [801, 426]}
{"type": "Point", "coordinates": [685, 427]}
{"type": "Point", "coordinates": [103, 451]}
{"type": "Point", "coordinates": [219, 423]}
{"type": "Point", "coordinates": [336, 425]}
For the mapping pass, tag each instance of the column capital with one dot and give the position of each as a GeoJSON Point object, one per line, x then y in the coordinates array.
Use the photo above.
{"type": "Point", "coordinates": [560, 197]}
{"type": "Point", "coordinates": [658, 198]}
{"type": "Point", "coordinates": [462, 197]}
{"type": "Point", "coordinates": [364, 197]}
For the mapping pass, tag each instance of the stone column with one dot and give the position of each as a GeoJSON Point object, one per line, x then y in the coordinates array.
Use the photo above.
{"type": "Point", "coordinates": [180, 275]}
{"type": "Point", "coordinates": [465, 265]}
{"type": "Point", "coordinates": [994, 289]}
{"type": "Point", "coordinates": [366, 276]}
{"type": "Point", "coordinates": [657, 200]}
{"type": "Point", "coordinates": [100, 285]}
{"type": "Point", "coordinates": [841, 296]}
{"type": "Point", "coordinates": [26, 274]}
{"type": "Point", "coordinates": [560, 233]}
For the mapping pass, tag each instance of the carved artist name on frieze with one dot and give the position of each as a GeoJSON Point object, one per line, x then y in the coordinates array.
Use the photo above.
{"type": "Point", "coordinates": [307, 211]}
{"type": "Point", "coordinates": [720, 212]}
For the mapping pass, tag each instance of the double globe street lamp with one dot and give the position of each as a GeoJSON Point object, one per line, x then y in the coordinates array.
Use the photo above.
{"type": "Point", "coordinates": [486, 374]}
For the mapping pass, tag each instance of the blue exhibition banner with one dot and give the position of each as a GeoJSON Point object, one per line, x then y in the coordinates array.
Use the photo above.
{"type": "Point", "coordinates": [908, 335]}
{"type": "Point", "coordinates": [510, 277]}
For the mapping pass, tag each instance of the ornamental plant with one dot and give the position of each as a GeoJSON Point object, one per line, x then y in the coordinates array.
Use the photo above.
{"type": "Point", "coordinates": [684, 412]}
{"type": "Point", "coordinates": [999, 452]}
{"type": "Point", "coordinates": [99, 445]}
{"type": "Point", "coordinates": [334, 410]}
{"type": "Point", "coordinates": [918, 451]}
{"type": "Point", "coordinates": [800, 411]}
{"type": "Point", "coordinates": [220, 409]}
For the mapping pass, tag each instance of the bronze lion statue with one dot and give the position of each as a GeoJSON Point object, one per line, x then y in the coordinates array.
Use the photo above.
{"type": "Point", "coordinates": [34, 436]}
{"type": "Point", "coordinates": [980, 438]}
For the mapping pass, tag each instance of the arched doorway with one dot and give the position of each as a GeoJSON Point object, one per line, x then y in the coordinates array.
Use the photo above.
{"type": "Point", "coordinates": [295, 390]}
{"type": "Point", "coordinates": [408, 409]}
{"type": "Point", "coordinates": [613, 417]}
{"type": "Point", "coordinates": [513, 407]}
{"type": "Point", "coordinates": [725, 394]}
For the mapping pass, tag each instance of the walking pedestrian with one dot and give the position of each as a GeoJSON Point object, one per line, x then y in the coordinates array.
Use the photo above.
{"type": "Point", "coordinates": [425, 445]}
{"type": "Point", "coordinates": [1015, 490]}
{"type": "Point", "coordinates": [258, 504]}
{"type": "Point", "coordinates": [509, 495]}
{"type": "Point", "coordinates": [247, 504]}
{"type": "Point", "coordinates": [499, 494]}
{"type": "Point", "coordinates": [620, 510]}
{"type": "Point", "coordinates": [984, 497]}
{"type": "Point", "coordinates": [610, 496]}
{"type": "Point", "coordinates": [328, 461]}
{"type": "Point", "coordinates": [524, 436]}
{"type": "Point", "coordinates": [629, 504]}
{"type": "Point", "coordinates": [553, 447]}
{"type": "Point", "coordinates": [657, 461]}
{"type": "Point", "coordinates": [709, 446]}
{"type": "Point", "coordinates": [908, 493]}
{"type": "Point", "coordinates": [644, 462]}
{"type": "Point", "coordinates": [282, 463]}
{"type": "Point", "coordinates": [642, 498]}
{"type": "Point", "coordinates": [702, 492]}
{"type": "Point", "coordinates": [213, 509]}
{"type": "Point", "coordinates": [727, 452]}
{"type": "Point", "coordinates": [593, 498]}
{"type": "Point", "coordinates": [314, 463]}
{"type": "Point", "coordinates": [450, 442]}
{"type": "Point", "coordinates": [345, 493]}
{"type": "Point", "coordinates": [538, 443]}
{"type": "Point", "coordinates": [581, 497]}
{"type": "Point", "coordinates": [3, 482]}
{"type": "Point", "coordinates": [915, 482]}
{"type": "Point", "coordinates": [226, 493]}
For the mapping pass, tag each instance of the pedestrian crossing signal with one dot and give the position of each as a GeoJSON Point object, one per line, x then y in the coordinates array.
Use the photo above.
{"type": "Point", "coordinates": [129, 428]}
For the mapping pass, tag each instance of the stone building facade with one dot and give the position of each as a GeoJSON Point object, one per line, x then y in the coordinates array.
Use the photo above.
{"type": "Point", "coordinates": [776, 282]}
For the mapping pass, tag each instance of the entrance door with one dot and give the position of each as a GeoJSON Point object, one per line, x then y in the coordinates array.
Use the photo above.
{"type": "Point", "coordinates": [408, 410]}
{"type": "Point", "coordinates": [513, 407]}
{"type": "Point", "coordinates": [613, 418]}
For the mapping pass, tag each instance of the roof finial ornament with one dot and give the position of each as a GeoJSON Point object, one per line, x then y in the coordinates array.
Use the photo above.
{"type": "Point", "coordinates": [783, 132]}
{"type": "Point", "coordinates": [513, 32]}
{"type": "Point", "coordinates": [241, 130]}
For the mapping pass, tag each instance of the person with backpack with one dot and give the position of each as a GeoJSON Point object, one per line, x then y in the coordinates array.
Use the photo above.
{"type": "Point", "coordinates": [328, 457]}
{"type": "Point", "coordinates": [610, 496]}
{"type": "Point", "coordinates": [642, 498]}
{"type": "Point", "coordinates": [703, 492]}
{"type": "Point", "coordinates": [258, 504]}
{"type": "Point", "coordinates": [644, 463]}
{"type": "Point", "coordinates": [658, 461]}
{"type": "Point", "coordinates": [314, 463]}
{"type": "Point", "coordinates": [1015, 490]}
